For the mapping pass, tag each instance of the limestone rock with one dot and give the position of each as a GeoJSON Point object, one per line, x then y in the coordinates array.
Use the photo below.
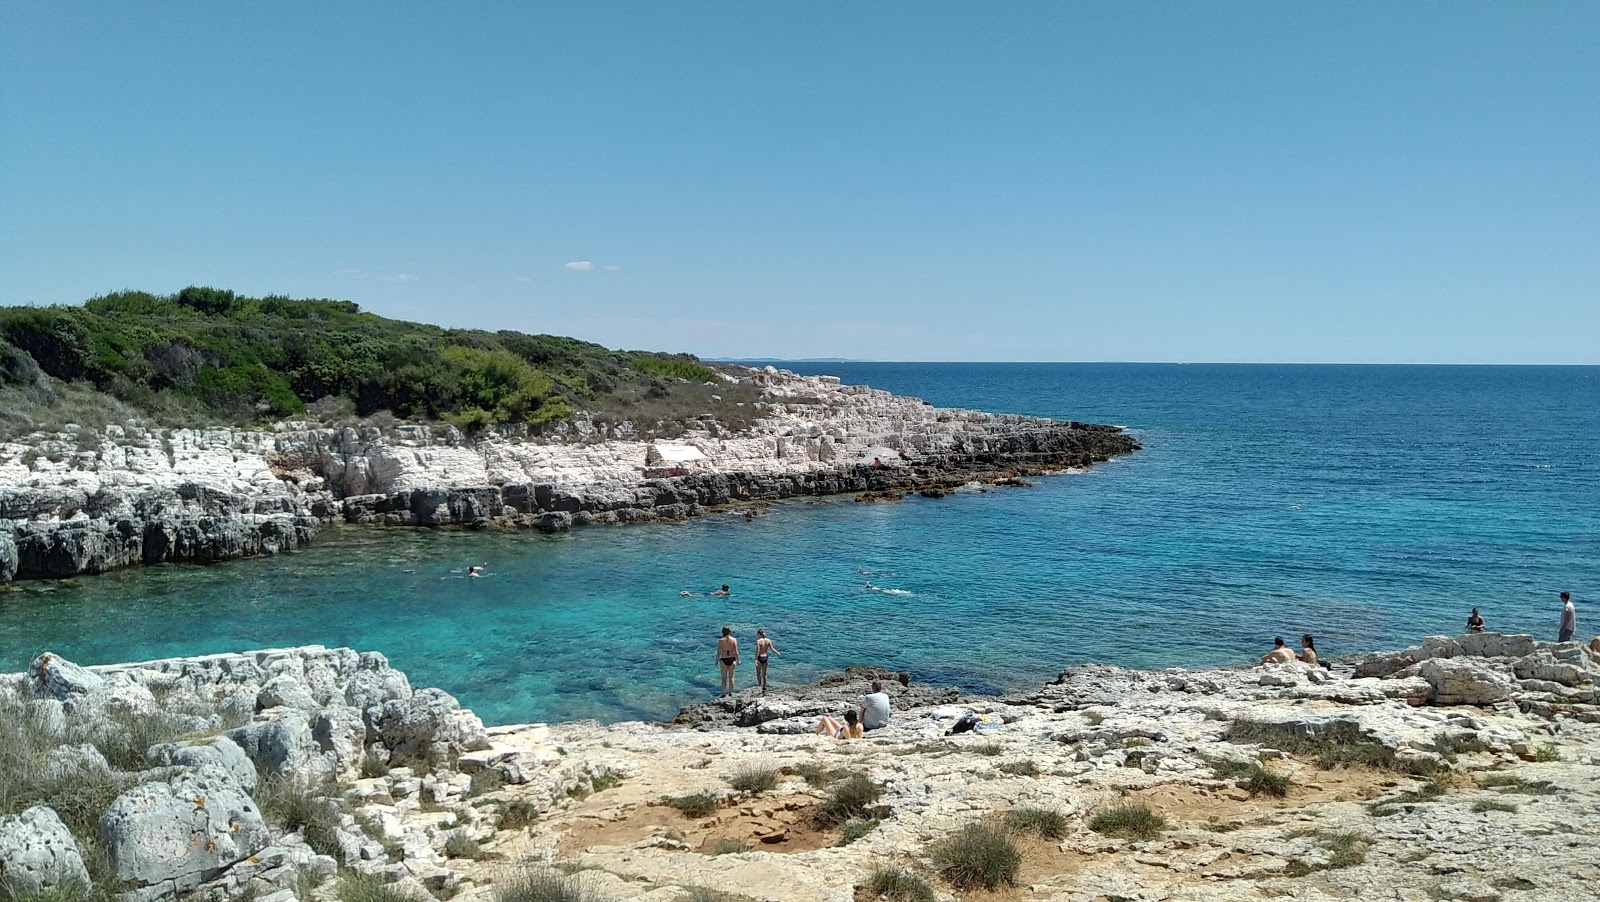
{"type": "Point", "coordinates": [179, 834]}
{"type": "Point", "coordinates": [61, 679]}
{"type": "Point", "coordinates": [1462, 681]}
{"type": "Point", "coordinates": [284, 748]}
{"type": "Point", "coordinates": [219, 752]}
{"type": "Point", "coordinates": [38, 854]}
{"type": "Point", "coordinates": [429, 722]}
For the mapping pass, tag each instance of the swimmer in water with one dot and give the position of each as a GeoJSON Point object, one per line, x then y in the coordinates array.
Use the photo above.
{"type": "Point", "coordinates": [477, 569]}
{"type": "Point", "coordinates": [721, 591]}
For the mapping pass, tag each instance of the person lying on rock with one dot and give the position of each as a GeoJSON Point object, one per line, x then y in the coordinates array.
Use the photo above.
{"type": "Point", "coordinates": [849, 728]}
{"type": "Point", "coordinates": [1280, 653]}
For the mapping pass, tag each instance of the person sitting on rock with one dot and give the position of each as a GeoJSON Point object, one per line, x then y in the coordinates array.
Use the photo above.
{"type": "Point", "coordinates": [875, 708]}
{"type": "Point", "coordinates": [1475, 622]}
{"type": "Point", "coordinates": [849, 728]}
{"type": "Point", "coordinates": [1279, 654]}
{"type": "Point", "coordinates": [1308, 650]}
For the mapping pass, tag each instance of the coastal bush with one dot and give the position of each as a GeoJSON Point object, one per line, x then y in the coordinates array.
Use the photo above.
{"type": "Point", "coordinates": [534, 883]}
{"type": "Point", "coordinates": [694, 804]}
{"type": "Point", "coordinates": [1251, 776]}
{"type": "Point", "coordinates": [987, 749]}
{"type": "Point", "coordinates": [355, 887]}
{"type": "Point", "coordinates": [754, 779]}
{"type": "Point", "coordinates": [816, 775]}
{"type": "Point", "coordinates": [1046, 823]}
{"type": "Point", "coordinates": [602, 780]}
{"type": "Point", "coordinates": [898, 885]}
{"type": "Point", "coordinates": [1549, 751]}
{"type": "Point", "coordinates": [302, 805]}
{"type": "Point", "coordinates": [1024, 768]}
{"type": "Point", "coordinates": [236, 359]}
{"type": "Point", "coordinates": [850, 797]}
{"type": "Point", "coordinates": [1345, 848]}
{"type": "Point", "coordinates": [978, 855]}
{"type": "Point", "coordinates": [1448, 747]}
{"type": "Point", "coordinates": [729, 847]}
{"type": "Point", "coordinates": [460, 844]}
{"type": "Point", "coordinates": [1129, 821]}
{"type": "Point", "coordinates": [856, 828]}
{"type": "Point", "coordinates": [1338, 745]}
{"type": "Point", "coordinates": [1426, 792]}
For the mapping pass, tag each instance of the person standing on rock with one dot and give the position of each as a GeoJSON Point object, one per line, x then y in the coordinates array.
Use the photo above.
{"type": "Point", "coordinates": [764, 649]}
{"type": "Point", "coordinates": [1569, 618]}
{"type": "Point", "coordinates": [727, 658]}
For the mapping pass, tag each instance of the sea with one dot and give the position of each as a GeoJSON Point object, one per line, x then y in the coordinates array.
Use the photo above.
{"type": "Point", "coordinates": [1367, 505]}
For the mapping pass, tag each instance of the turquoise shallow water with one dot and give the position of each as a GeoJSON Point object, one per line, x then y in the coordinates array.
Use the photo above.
{"type": "Point", "coordinates": [1368, 505]}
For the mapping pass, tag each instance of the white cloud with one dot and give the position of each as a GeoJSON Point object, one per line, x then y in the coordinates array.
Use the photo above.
{"type": "Point", "coordinates": [580, 266]}
{"type": "Point", "coordinates": [376, 276]}
{"type": "Point", "coordinates": [609, 267]}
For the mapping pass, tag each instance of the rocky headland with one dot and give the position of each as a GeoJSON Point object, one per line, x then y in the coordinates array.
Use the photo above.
{"type": "Point", "coordinates": [87, 502]}
{"type": "Point", "coordinates": [1463, 768]}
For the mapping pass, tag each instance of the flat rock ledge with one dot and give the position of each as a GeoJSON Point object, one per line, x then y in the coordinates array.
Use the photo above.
{"type": "Point", "coordinates": [83, 502]}
{"type": "Point", "coordinates": [1462, 768]}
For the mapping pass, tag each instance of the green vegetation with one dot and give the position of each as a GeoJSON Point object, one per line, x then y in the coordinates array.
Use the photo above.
{"type": "Point", "coordinates": [1345, 849]}
{"type": "Point", "coordinates": [604, 780]}
{"type": "Point", "coordinates": [707, 894]}
{"type": "Point", "coordinates": [518, 813]}
{"type": "Point", "coordinates": [540, 884]}
{"type": "Point", "coordinates": [754, 779]}
{"type": "Point", "coordinates": [978, 855]}
{"type": "Point", "coordinates": [855, 828]}
{"type": "Point", "coordinates": [460, 844]}
{"type": "Point", "coordinates": [1339, 744]}
{"type": "Point", "coordinates": [355, 887]}
{"type": "Point", "coordinates": [1547, 752]}
{"type": "Point", "coordinates": [695, 804]}
{"type": "Point", "coordinates": [1507, 783]}
{"type": "Point", "coordinates": [1045, 823]}
{"type": "Point", "coordinates": [303, 806]}
{"type": "Point", "coordinates": [1493, 805]}
{"type": "Point", "coordinates": [988, 749]}
{"type": "Point", "coordinates": [1023, 768]}
{"type": "Point", "coordinates": [729, 847]}
{"type": "Point", "coordinates": [1130, 821]}
{"type": "Point", "coordinates": [205, 356]}
{"type": "Point", "coordinates": [1448, 747]}
{"type": "Point", "coordinates": [485, 781]}
{"type": "Point", "coordinates": [898, 885]}
{"type": "Point", "coordinates": [1252, 777]}
{"type": "Point", "coordinates": [850, 798]}
{"type": "Point", "coordinates": [816, 775]}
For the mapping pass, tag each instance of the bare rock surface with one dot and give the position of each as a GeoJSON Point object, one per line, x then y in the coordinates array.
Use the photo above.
{"type": "Point", "coordinates": [38, 854]}
{"type": "Point", "coordinates": [86, 502]}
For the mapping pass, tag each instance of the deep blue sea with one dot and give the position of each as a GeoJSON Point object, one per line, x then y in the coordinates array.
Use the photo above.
{"type": "Point", "coordinates": [1369, 505]}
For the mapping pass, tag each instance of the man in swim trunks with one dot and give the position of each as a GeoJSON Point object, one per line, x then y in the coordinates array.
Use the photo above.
{"type": "Point", "coordinates": [727, 658]}
{"type": "Point", "coordinates": [721, 591]}
{"type": "Point", "coordinates": [875, 708]}
{"type": "Point", "coordinates": [1279, 654]}
{"type": "Point", "coordinates": [764, 649]}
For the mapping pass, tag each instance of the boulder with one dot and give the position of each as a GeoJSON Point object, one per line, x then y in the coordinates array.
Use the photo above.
{"type": "Point", "coordinates": [430, 721]}
{"type": "Point", "coordinates": [285, 692]}
{"type": "Point", "coordinates": [182, 833]}
{"type": "Point", "coordinates": [284, 748]}
{"type": "Point", "coordinates": [60, 679]}
{"type": "Point", "coordinates": [1462, 681]}
{"type": "Point", "coordinates": [219, 752]}
{"type": "Point", "coordinates": [38, 854]}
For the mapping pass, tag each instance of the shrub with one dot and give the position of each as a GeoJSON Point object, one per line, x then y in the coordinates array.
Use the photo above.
{"type": "Point", "coordinates": [1345, 848]}
{"type": "Point", "coordinates": [1251, 776]}
{"type": "Point", "coordinates": [695, 804]}
{"type": "Point", "coordinates": [541, 884]}
{"type": "Point", "coordinates": [354, 887]}
{"type": "Point", "coordinates": [815, 775]}
{"type": "Point", "coordinates": [1547, 752]}
{"type": "Point", "coordinates": [1493, 805]}
{"type": "Point", "coordinates": [851, 797]}
{"type": "Point", "coordinates": [604, 780]}
{"type": "Point", "coordinates": [374, 765]}
{"type": "Point", "coordinates": [1508, 783]}
{"type": "Point", "coordinates": [1340, 744]}
{"type": "Point", "coordinates": [855, 828]}
{"type": "Point", "coordinates": [729, 847]}
{"type": "Point", "coordinates": [754, 779]}
{"type": "Point", "coordinates": [1042, 822]}
{"type": "Point", "coordinates": [988, 749]}
{"type": "Point", "coordinates": [1130, 821]}
{"type": "Point", "coordinates": [460, 844]}
{"type": "Point", "coordinates": [898, 885]}
{"type": "Point", "coordinates": [1448, 747]}
{"type": "Point", "coordinates": [978, 855]}
{"type": "Point", "coordinates": [300, 805]}
{"type": "Point", "coordinates": [1024, 768]}
{"type": "Point", "coordinates": [518, 813]}
{"type": "Point", "coordinates": [485, 781]}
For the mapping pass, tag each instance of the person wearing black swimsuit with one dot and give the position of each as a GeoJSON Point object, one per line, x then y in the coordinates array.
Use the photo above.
{"type": "Point", "coordinates": [727, 658]}
{"type": "Point", "coordinates": [764, 649]}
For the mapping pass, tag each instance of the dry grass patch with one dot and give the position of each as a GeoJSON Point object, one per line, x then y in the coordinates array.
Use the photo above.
{"type": "Point", "coordinates": [978, 855]}
{"type": "Point", "coordinates": [1129, 821]}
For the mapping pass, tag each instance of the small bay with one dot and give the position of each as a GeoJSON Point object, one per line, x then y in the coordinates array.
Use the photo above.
{"type": "Point", "coordinates": [1368, 505]}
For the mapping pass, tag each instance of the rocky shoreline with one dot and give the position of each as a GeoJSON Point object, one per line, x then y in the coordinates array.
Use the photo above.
{"type": "Point", "coordinates": [81, 502]}
{"type": "Point", "coordinates": [1463, 768]}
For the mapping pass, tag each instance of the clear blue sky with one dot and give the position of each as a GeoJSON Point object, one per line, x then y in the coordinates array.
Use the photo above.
{"type": "Point", "coordinates": [1267, 181]}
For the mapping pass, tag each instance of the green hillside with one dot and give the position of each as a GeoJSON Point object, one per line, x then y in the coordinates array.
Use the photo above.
{"type": "Point", "coordinates": [207, 356]}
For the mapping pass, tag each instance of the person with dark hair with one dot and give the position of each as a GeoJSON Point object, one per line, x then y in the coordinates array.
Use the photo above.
{"type": "Point", "coordinates": [1475, 622]}
{"type": "Point", "coordinates": [1279, 654]}
{"type": "Point", "coordinates": [727, 658]}
{"type": "Point", "coordinates": [848, 728]}
{"type": "Point", "coordinates": [721, 591]}
{"type": "Point", "coordinates": [1569, 618]}
{"type": "Point", "coordinates": [1308, 650]}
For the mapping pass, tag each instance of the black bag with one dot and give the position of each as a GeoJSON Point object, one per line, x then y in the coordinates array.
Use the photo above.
{"type": "Point", "coordinates": [968, 722]}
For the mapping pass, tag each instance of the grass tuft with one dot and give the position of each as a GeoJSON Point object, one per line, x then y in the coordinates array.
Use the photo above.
{"type": "Point", "coordinates": [541, 884]}
{"type": "Point", "coordinates": [517, 814]}
{"type": "Point", "coordinates": [729, 847]}
{"type": "Point", "coordinates": [1484, 805]}
{"type": "Point", "coordinates": [850, 798]}
{"type": "Point", "coordinates": [1547, 752]}
{"type": "Point", "coordinates": [1252, 777]}
{"type": "Point", "coordinates": [1024, 768]}
{"type": "Point", "coordinates": [754, 779]}
{"type": "Point", "coordinates": [855, 828]}
{"type": "Point", "coordinates": [1046, 823]}
{"type": "Point", "coordinates": [988, 749]}
{"type": "Point", "coordinates": [978, 855]}
{"type": "Point", "coordinates": [303, 806]}
{"type": "Point", "coordinates": [486, 781]}
{"type": "Point", "coordinates": [460, 844]}
{"type": "Point", "coordinates": [898, 885]}
{"type": "Point", "coordinates": [1509, 783]}
{"type": "Point", "coordinates": [695, 804]}
{"type": "Point", "coordinates": [355, 887]}
{"type": "Point", "coordinates": [1130, 821]}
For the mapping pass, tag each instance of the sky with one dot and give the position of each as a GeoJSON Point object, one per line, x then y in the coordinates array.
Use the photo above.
{"type": "Point", "coordinates": [1404, 182]}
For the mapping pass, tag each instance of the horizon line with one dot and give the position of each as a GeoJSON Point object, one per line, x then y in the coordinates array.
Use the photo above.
{"type": "Point", "coordinates": [849, 360]}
